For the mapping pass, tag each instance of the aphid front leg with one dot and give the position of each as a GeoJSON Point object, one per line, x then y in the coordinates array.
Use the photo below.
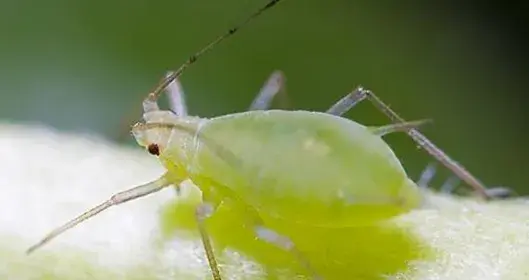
{"type": "Point", "coordinates": [116, 199]}
{"type": "Point", "coordinates": [274, 85]}
{"type": "Point", "coordinates": [176, 97]}
{"type": "Point", "coordinates": [360, 94]}
{"type": "Point", "coordinates": [202, 212]}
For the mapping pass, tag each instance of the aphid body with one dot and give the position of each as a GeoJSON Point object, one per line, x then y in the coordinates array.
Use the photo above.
{"type": "Point", "coordinates": [277, 162]}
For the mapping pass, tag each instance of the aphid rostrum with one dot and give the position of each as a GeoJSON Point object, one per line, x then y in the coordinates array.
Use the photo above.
{"type": "Point", "coordinates": [339, 172]}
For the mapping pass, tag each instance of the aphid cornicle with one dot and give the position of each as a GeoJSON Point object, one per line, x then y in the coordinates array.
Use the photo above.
{"type": "Point", "coordinates": [278, 162]}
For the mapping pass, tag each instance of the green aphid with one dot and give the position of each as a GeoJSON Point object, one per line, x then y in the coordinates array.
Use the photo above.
{"type": "Point", "coordinates": [308, 168]}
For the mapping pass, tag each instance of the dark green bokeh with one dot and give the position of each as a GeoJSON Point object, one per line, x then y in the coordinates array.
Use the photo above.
{"type": "Point", "coordinates": [84, 65]}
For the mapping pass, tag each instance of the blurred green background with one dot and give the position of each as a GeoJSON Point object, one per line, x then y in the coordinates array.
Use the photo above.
{"type": "Point", "coordinates": [85, 65]}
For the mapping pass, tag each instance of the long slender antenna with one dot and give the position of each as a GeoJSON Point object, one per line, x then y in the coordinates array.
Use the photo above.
{"type": "Point", "coordinates": [192, 59]}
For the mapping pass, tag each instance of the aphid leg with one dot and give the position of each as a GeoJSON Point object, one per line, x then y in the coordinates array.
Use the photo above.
{"type": "Point", "coordinates": [397, 127]}
{"type": "Point", "coordinates": [284, 243]}
{"type": "Point", "coordinates": [500, 192]}
{"type": "Point", "coordinates": [274, 85]}
{"type": "Point", "coordinates": [427, 175]}
{"type": "Point", "coordinates": [176, 97]}
{"type": "Point", "coordinates": [116, 199]}
{"type": "Point", "coordinates": [450, 184]}
{"type": "Point", "coordinates": [359, 94]}
{"type": "Point", "coordinates": [203, 211]}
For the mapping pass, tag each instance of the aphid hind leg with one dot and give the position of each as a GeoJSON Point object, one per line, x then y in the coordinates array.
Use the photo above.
{"type": "Point", "coordinates": [273, 86]}
{"type": "Point", "coordinates": [360, 94]}
{"type": "Point", "coordinates": [202, 212]}
{"type": "Point", "coordinates": [116, 199]}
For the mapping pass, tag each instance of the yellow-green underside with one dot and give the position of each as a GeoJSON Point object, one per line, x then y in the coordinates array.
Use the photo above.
{"type": "Point", "coordinates": [358, 253]}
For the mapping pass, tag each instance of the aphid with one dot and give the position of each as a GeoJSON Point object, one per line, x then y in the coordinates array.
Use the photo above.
{"type": "Point", "coordinates": [309, 168]}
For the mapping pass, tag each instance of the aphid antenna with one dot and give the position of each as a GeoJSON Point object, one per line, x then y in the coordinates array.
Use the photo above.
{"type": "Point", "coordinates": [150, 102]}
{"type": "Point", "coordinates": [158, 90]}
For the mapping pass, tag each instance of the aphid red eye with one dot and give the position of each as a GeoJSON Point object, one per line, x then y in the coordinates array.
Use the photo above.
{"type": "Point", "coordinates": [153, 149]}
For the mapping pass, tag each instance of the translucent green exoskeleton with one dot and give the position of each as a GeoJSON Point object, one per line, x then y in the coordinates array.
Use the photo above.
{"type": "Point", "coordinates": [311, 168]}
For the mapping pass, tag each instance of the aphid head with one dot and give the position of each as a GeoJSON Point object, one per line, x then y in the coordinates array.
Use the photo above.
{"type": "Point", "coordinates": [163, 129]}
{"type": "Point", "coordinates": [153, 137]}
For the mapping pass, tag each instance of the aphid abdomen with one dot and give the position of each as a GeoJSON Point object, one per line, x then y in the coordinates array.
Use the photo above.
{"type": "Point", "coordinates": [306, 167]}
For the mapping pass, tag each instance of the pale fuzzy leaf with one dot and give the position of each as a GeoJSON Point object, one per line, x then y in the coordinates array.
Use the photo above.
{"type": "Point", "coordinates": [48, 177]}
